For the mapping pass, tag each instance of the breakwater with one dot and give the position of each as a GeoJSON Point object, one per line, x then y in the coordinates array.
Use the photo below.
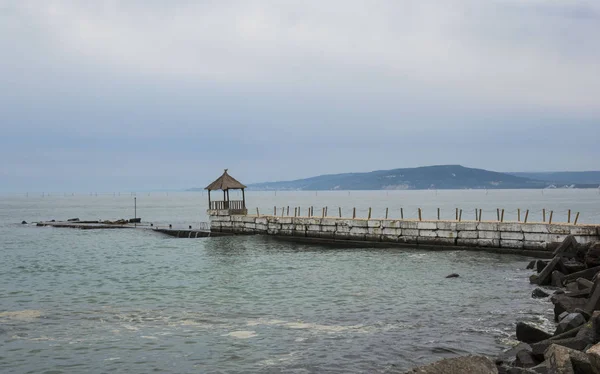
{"type": "Point", "coordinates": [509, 236]}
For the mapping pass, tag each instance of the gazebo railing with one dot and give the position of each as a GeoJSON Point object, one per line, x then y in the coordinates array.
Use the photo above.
{"type": "Point", "coordinates": [231, 204]}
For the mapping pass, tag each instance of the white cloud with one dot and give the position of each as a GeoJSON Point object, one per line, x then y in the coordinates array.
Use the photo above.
{"type": "Point", "coordinates": [506, 53]}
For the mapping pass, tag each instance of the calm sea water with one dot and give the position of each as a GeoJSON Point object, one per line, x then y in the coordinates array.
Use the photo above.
{"type": "Point", "coordinates": [134, 301]}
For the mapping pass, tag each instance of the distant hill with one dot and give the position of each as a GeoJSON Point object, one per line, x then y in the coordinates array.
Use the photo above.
{"type": "Point", "coordinates": [428, 177]}
{"type": "Point", "coordinates": [565, 177]}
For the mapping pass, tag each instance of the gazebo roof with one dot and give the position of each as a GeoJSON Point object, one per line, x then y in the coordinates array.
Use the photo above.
{"type": "Point", "coordinates": [225, 182]}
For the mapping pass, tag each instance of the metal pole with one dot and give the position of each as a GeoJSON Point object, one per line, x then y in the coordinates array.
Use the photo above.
{"type": "Point", "coordinates": [135, 211]}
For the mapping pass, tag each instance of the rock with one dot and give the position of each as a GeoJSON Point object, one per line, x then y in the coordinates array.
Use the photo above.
{"type": "Point", "coordinates": [23, 222]}
{"type": "Point", "coordinates": [73, 220]}
{"type": "Point", "coordinates": [594, 356]}
{"type": "Point", "coordinates": [562, 315]}
{"type": "Point", "coordinates": [540, 265]}
{"type": "Point", "coordinates": [525, 359]}
{"type": "Point", "coordinates": [518, 370]}
{"type": "Point", "coordinates": [531, 264]}
{"type": "Point", "coordinates": [594, 300]}
{"type": "Point", "coordinates": [510, 356]}
{"type": "Point", "coordinates": [538, 293]}
{"type": "Point", "coordinates": [530, 334]}
{"type": "Point", "coordinates": [568, 243]}
{"type": "Point", "coordinates": [573, 266]}
{"type": "Point", "coordinates": [592, 257]}
{"type": "Point", "coordinates": [544, 277]}
{"type": "Point", "coordinates": [453, 275]}
{"type": "Point", "coordinates": [583, 283]}
{"type": "Point", "coordinates": [458, 365]}
{"type": "Point", "coordinates": [135, 220]}
{"type": "Point", "coordinates": [564, 303]}
{"type": "Point", "coordinates": [569, 322]}
{"type": "Point", "coordinates": [585, 274]}
{"type": "Point", "coordinates": [540, 369]}
{"type": "Point", "coordinates": [557, 278]}
{"type": "Point", "coordinates": [579, 342]}
{"type": "Point", "coordinates": [559, 359]}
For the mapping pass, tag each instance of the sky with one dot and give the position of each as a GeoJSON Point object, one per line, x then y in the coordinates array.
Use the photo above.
{"type": "Point", "coordinates": [122, 95]}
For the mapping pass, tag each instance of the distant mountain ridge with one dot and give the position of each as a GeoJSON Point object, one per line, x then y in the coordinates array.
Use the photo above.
{"type": "Point", "coordinates": [434, 177]}
{"type": "Point", "coordinates": [564, 177]}
{"type": "Point", "coordinates": [428, 177]}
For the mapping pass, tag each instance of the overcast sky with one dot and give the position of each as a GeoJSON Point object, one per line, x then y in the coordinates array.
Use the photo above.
{"type": "Point", "coordinates": [148, 94]}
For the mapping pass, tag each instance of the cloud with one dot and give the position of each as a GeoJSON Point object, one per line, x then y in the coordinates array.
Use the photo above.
{"type": "Point", "coordinates": [354, 80]}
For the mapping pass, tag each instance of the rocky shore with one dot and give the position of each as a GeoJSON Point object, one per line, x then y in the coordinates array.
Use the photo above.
{"type": "Point", "coordinates": [571, 281]}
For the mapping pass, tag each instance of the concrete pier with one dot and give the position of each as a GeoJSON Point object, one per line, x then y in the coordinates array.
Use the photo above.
{"type": "Point", "coordinates": [512, 237]}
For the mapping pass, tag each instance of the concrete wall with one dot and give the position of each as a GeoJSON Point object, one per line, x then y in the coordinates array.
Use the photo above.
{"type": "Point", "coordinates": [513, 235]}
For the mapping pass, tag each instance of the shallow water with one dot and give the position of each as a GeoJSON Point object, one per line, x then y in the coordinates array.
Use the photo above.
{"type": "Point", "coordinates": [135, 301]}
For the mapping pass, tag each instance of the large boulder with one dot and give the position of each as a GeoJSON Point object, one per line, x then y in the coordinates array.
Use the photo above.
{"type": "Point", "coordinates": [458, 365]}
{"type": "Point", "coordinates": [592, 257]}
{"type": "Point", "coordinates": [594, 356]}
{"type": "Point", "coordinates": [540, 265]}
{"type": "Point", "coordinates": [562, 360]}
{"type": "Point", "coordinates": [530, 334]}
{"type": "Point", "coordinates": [570, 321]}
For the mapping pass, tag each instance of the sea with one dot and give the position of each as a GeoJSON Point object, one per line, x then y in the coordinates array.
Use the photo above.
{"type": "Point", "coordinates": [136, 301]}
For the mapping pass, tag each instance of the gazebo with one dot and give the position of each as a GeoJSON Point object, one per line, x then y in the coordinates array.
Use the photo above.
{"type": "Point", "coordinates": [225, 183]}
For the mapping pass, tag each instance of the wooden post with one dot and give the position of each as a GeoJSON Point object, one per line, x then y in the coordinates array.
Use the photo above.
{"type": "Point", "coordinates": [498, 214]}
{"type": "Point", "coordinates": [275, 211]}
{"type": "Point", "coordinates": [209, 207]}
{"type": "Point", "coordinates": [576, 218]}
{"type": "Point", "coordinates": [526, 215]}
{"type": "Point", "coordinates": [296, 212]}
{"type": "Point", "coordinates": [386, 213]}
{"type": "Point", "coordinates": [257, 213]}
{"type": "Point", "coordinates": [502, 216]}
{"type": "Point", "coordinates": [460, 216]}
{"type": "Point", "coordinates": [243, 198]}
{"type": "Point", "coordinates": [312, 211]}
{"type": "Point", "coordinates": [353, 213]}
{"type": "Point", "coordinates": [480, 215]}
{"type": "Point", "coordinates": [569, 217]}
{"type": "Point", "coordinates": [420, 217]}
{"type": "Point", "coordinates": [519, 215]}
{"type": "Point", "coordinates": [456, 214]}
{"type": "Point", "coordinates": [323, 214]}
{"type": "Point", "coordinates": [476, 219]}
{"type": "Point", "coordinates": [340, 209]}
{"type": "Point", "coordinates": [282, 211]}
{"type": "Point", "coordinates": [550, 220]}
{"type": "Point", "coordinates": [401, 213]}
{"type": "Point", "coordinates": [288, 211]}
{"type": "Point", "coordinates": [544, 214]}
{"type": "Point", "coordinates": [369, 217]}
{"type": "Point", "coordinates": [299, 212]}
{"type": "Point", "coordinates": [326, 209]}
{"type": "Point", "coordinates": [438, 214]}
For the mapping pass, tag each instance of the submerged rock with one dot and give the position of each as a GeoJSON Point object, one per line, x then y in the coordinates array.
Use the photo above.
{"type": "Point", "coordinates": [538, 293]}
{"type": "Point", "coordinates": [453, 275]}
{"type": "Point", "coordinates": [23, 222]}
{"type": "Point", "coordinates": [531, 264]}
{"type": "Point", "coordinates": [458, 365]}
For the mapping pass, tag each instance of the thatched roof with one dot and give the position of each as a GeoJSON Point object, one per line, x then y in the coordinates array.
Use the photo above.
{"type": "Point", "coordinates": [225, 182]}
